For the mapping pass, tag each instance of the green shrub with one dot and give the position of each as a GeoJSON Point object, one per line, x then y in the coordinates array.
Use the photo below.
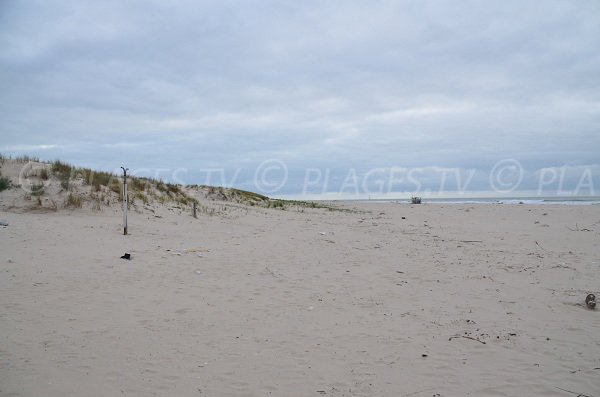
{"type": "Point", "coordinates": [4, 183]}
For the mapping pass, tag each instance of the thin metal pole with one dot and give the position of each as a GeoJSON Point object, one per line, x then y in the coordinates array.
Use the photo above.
{"type": "Point", "coordinates": [125, 200]}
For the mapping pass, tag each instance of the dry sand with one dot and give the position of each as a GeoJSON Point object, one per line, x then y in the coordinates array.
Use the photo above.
{"type": "Point", "coordinates": [454, 300]}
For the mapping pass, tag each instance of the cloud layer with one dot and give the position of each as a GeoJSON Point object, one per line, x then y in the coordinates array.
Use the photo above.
{"type": "Point", "coordinates": [337, 84]}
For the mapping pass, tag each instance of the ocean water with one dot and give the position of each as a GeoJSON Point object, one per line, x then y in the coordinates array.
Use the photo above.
{"type": "Point", "coordinates": [499, 200]}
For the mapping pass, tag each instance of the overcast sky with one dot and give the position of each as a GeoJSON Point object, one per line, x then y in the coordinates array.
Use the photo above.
{"type": "Point", "coordinates": [315, 84]}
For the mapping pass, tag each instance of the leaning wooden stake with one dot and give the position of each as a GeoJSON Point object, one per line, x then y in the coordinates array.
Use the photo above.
{"type": "Point", "coordinates": [125, 200]}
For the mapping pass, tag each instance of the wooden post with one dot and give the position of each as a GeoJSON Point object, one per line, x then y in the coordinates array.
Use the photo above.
{"type": "Point", "coordinates": [125, 200]}
{"type": "Point", "coordinates": [194, 209]}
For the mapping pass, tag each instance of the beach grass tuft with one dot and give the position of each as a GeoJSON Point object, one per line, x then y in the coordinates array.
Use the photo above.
{"type": "Point", "coordinates": [73, 201]}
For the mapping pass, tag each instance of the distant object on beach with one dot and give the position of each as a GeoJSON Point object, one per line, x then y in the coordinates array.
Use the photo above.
{"type": "Point", "coordinates": [415, 200]}
{"type": "Point", "coordinates": [590, 301]}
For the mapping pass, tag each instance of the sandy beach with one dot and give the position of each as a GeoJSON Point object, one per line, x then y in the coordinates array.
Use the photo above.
{"type": "Point", "coordinates": [381, 300]}
{"type": "Point", "coordinates": [300, 198]}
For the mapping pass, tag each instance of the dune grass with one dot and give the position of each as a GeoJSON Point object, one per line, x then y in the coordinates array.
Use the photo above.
{"type": "Point", "coordinates": [104, 186]}
{"type": "Point", "coordinates": [73, 201]}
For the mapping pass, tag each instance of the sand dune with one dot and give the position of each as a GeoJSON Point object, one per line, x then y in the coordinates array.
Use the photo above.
{"type": "Point", "coordinates": [452, 301]}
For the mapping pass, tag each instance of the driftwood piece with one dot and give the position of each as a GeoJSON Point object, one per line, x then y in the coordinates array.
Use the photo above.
{"type": "Point", "coordinates": [466, 337]}
{"type": "Point", "coordinates": [572, 392]}
{"type": "Point", "coordinates": [577, 229]}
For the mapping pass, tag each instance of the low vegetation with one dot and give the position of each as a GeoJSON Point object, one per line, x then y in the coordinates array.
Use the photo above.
{"type": "Point", "coordinates": [37, 190]}
{"type": "Point", "coordinates": [83, 187]}
{"type": "Point", "coordinates": [301, 205]}
{"type": "Point", "coordinates": [73, 201]}
{"type": "Point", "coordinates": [4, 183]}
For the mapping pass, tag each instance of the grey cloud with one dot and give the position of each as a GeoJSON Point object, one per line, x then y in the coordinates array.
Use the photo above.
{"type": "Point", "coordinates": [335, 84]}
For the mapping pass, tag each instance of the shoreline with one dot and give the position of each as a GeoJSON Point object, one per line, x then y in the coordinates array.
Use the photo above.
{"type": "Point", "coordinates": [484, 201]}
